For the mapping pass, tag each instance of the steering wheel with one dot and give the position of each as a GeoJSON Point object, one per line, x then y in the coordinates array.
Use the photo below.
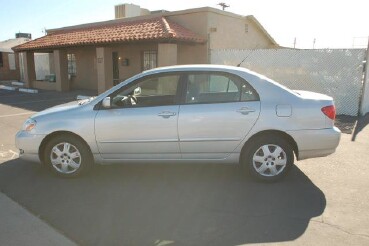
{"type": "Point", "coordinates": [128, 100]}
{"type": "Point", "coordinates": [133, 99]}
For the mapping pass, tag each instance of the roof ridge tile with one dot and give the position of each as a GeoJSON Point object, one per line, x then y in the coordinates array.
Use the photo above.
{"type": "Point", "coordinates": [167, 27]}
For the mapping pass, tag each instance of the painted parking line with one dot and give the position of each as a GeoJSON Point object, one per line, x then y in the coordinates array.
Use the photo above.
{"type": "Point", "coordinates": [10, 115]}
{"type": "Point", "coordinates": [9, 155]}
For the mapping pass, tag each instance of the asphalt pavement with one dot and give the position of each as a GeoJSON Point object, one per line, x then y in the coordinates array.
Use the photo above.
{"type": "Point", "coordinates": [323, 201]}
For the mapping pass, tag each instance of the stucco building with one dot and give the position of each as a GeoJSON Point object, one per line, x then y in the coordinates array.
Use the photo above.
{"type": "Point", "coordinates": [9, 64]}
{"type": "Point", "coordinates": [98, 55]}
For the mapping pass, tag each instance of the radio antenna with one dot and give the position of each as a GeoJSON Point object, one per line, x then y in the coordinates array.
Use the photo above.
{"type": "Point", "coordinates": [239, 64]}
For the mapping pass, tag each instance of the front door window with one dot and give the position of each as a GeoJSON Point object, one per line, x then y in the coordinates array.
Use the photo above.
{"type": "Point", "coordinates": [152, 91]}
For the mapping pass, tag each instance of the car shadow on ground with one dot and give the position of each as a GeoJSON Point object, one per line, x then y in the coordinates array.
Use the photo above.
{"type": "Point", "coordinates": [170, 204]}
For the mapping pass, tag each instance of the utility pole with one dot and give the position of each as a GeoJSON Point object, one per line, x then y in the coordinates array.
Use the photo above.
{"type": "Point", "coordinates": [294, 43]}
{"type": "Point", "coordinates": [224, 5]}
{"type": "Point", "coordinates": [314, 41]}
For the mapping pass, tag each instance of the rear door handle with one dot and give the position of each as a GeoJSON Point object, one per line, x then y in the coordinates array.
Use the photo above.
{"type": "Point", "coordinates": [245, 110]}
{"type": "Point", "coordinates": [166, 114]}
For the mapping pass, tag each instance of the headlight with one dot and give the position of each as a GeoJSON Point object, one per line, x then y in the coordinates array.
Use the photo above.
{"type": "Point", "coordinates": [29, 125]}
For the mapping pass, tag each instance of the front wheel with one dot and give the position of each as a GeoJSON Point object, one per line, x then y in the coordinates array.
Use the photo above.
{"type": "Point", "coordinates": [67, 156]}
{"type": "Point", "coordinates": [268, 158]}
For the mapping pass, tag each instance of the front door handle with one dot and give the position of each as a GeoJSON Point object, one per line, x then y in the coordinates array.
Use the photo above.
{"type": "Point", "coordinates": [245, 110]}
{"type": "Point", "coordinates": [166, 114]}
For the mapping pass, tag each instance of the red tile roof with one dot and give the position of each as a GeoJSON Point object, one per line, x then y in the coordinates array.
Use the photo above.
{"type": "Point", "coordinates": [154, 29]}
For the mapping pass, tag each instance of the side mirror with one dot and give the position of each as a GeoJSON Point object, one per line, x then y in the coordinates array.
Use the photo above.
{"type": "Point", "coordinates": [106, 102]}
{"type": "Point", "coordinates": [137, 91]}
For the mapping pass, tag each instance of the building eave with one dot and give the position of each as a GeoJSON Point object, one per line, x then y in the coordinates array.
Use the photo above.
{"type": "Point", "coordinates": [157, 29]}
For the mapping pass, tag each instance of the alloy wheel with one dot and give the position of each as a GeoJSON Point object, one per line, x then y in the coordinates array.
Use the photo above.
{"type": "Point", "coordinates": [269, 160]}
{"type": "Point", "coordinates": [65, 158]}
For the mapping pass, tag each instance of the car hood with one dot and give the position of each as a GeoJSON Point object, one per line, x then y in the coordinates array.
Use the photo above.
{"type": "Point", "coordinates": [59, 108]}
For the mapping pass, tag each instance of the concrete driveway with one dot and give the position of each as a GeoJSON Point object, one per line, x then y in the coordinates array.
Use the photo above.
{"type": "Point", "coordinates": [322, 201]}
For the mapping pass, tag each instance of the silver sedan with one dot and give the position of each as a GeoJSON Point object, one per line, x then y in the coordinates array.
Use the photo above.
{"type": "Point", "coordinates": [179, 114]}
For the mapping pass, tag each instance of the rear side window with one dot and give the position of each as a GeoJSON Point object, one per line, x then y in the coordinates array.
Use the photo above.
{"type": "Point", "coordinates": [217, 88]}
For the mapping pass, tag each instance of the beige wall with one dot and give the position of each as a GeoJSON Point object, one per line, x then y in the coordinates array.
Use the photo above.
{"type": "Point", "coordinates": [230, 30]}
{"type": "Point", "coordinates": [132, 52]}
{"type": "Point", "coordinates": [86, 60]}
{"type": "Point", "coordinates": [61, 70]}
{"type": "Point", "coordinates": [104, 69]}
{"type": "Point", "coordinates": [44, 85]}
{"type": "Point", "coordinates": [5, 72]}
{"type": "Point", "coordinates": [223, 31]}
{"type": "Point", "coordinates": [192, 54]}
{"type": "Point", "coordinates": [196, 22]}
{"type": "Point", "coordinates": [229, 33]}
{"type": "Point", "coordinates": [28, 68]}
{"type": "Point", "coordinates": [86, 72]}
{"type": "Point", "coordinates": [167, 54]}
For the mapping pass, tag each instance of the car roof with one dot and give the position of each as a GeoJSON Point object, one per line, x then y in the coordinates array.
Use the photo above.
{"type": "Point", "coordinates": [222, 68]}
{"type": "Point", "coordinates": [205, 67]}
{"type": "Point", "coordinates": [198, 67]}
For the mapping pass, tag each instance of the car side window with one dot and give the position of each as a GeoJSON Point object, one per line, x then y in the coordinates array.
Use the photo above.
{"type": "Point", "coordinates": [248, 93]}
{"type": "Point", "coordinates": [151, 91]}
{"type": "Point", "coordinates": [217, 88]}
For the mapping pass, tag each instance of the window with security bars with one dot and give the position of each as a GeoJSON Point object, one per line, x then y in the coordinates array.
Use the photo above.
{"type": "Point", "coordinates": [72, 68]}
{"type": "Point", "coordinates": [149, 59]}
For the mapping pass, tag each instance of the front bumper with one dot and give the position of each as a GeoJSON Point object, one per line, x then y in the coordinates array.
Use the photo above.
{"type": "Point", "coordinates": [28, 145]}
{"type": "Point", "coordinates": [316, 143]}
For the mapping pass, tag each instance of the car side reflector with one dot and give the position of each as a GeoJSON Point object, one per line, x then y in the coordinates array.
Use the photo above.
{"type": "Point", "coordinates": [330, 111]}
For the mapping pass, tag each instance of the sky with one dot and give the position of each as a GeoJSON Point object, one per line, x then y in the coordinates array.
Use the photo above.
{"type": "Point", "coordinates": [331, 23]}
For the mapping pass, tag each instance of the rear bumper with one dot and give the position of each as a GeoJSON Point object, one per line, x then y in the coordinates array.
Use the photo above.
{"type": "Point", "coordinates": [316, 143]}
{"type": "Point", "coordinates": [28, 145]}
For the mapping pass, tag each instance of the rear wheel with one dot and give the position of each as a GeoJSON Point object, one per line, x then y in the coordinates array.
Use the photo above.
{"type": "Point", "coordinates": [268, 158]}
{"type": "Point", "coordinates": [67, 156]}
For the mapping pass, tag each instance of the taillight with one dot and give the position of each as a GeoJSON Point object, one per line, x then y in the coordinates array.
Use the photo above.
{"type": "Point", "coordinates": [330, 111]}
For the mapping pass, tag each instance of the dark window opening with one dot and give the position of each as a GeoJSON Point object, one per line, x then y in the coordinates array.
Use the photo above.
{"type": "Point", "coordinates": [1, 59]}
{"type": "Point", "coordinates": [72, 67]}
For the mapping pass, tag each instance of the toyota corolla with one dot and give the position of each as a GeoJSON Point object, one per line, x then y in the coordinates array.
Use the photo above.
{"type": "Point", "coordinates": [181, 114]}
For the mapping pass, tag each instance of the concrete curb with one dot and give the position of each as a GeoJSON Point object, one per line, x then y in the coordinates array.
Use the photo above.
{"type": "Point", "coordinates": [16, 83]}
{"type": "Point", "coordinates": [12, 88]}
{"type": "Point", "coordinates": [9, 88]}
{"type": "Point", "coordinates": [28, 90]}
{"type": "Point", "coordinates": [20, 227]}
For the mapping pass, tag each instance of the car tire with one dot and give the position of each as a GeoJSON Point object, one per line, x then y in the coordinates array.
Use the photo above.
{"type": "Point", "coordinates": [268, 158]}
{"type": "Point", "coordinates": [67, 156]}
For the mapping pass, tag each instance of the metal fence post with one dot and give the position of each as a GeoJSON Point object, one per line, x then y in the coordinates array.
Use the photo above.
{"type": "Point", "coordinates": [364, 100]}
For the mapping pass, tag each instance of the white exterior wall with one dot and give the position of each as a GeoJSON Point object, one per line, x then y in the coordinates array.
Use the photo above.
{"type": "Point", "coordinates": [337, 73]}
